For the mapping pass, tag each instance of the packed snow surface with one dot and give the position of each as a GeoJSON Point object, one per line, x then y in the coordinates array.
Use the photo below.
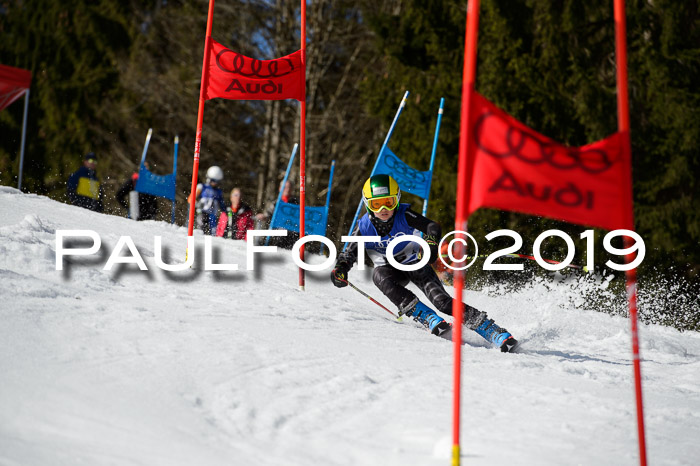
{"type": "Point", "coordinates": [132, 367]}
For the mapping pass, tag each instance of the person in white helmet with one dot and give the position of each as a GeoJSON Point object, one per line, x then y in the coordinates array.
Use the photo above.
{"type": "Point", "coordinates": [211, 200]}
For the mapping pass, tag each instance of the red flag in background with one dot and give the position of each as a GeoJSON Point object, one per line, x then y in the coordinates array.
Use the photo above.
{"type": "Point", "coordinates": [515, 168]}
{"type": "Point", "coordinates": [13, 84]}
{"type": "Point", "coordinates": [237, 77]}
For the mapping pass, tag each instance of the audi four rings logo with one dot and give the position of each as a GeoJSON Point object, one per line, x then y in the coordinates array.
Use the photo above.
{"type": "Point", "coordinates": [592, 161]}
{"type": "Point", "coordinates": [313, 216]}
{"type": "Point", "coordinates": [401, 169]}
{"type": "Point", "coordinates": [409, 177]}
{"type": "Point", "coordinates": [238, 64]}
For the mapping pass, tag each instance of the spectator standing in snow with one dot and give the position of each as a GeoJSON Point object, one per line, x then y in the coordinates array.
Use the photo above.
{"type": "Point", "coordinates": [148, 205]}
{"type": "Point", "coordinates": [83, 187]}
{"type": "Point", "coordinates": [388, 219]}
{"type": "Point", "coordinates": [240, 217]}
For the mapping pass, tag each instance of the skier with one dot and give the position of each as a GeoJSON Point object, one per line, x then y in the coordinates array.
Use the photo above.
{"type": "Point", "coordinates": [211, 200]}
{"type": "Point", "coordinates": [388, 219]}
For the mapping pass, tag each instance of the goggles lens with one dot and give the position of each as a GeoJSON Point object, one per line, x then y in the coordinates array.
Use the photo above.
{"type": "Point", "coordinates": [379, 203]}
{"type": "Point", "coordinates": [91, 161]}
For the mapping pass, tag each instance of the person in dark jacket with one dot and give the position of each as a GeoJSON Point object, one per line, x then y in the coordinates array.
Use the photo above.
{"type": "Point", "coordinates": [388, 219]}
{"type": "Point", "coordinates": [240, 217]}
{"type": "Point", "coordinates": [148, 204]}
{"type": "Point", "coordinates": [83, 187]}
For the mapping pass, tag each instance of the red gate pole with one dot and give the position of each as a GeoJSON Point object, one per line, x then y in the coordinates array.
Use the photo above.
{"type": "Point", "coordinates": [200, 118]}
{"type": "Point", "coordinates": [623, 121]}
{"type": "Point", "coordinates": [463, 189]}
{"type": "Point", "coordinates": [302, 148]}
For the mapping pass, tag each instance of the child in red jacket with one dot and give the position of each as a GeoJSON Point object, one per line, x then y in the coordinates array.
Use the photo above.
{"type": "Point", "coordinates": [240, 217]}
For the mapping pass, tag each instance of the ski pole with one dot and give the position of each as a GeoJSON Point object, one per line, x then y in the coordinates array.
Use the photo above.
{"type": "Point", "coordinates": [372, 299]}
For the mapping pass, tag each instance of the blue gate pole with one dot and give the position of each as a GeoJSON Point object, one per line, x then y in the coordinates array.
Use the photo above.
{"type": "Point", "coordinates": [143, 159]}
{"type": "Point", "coordinates": [432, 156]}
{"type": "Point", "coordinates": [145, 146]}
{"type": "Point", "coordinates": [284, 183]}
{"type": "Point", "coordinates": [172, 214]}
{"type": "Point", "coordinates": [328, 196]}
{"type": "Point", "coordinates": [386, 142]}
{"type": "Point", "coordinates": [330, 184]}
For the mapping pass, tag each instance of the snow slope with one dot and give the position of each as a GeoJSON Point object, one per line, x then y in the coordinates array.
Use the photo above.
{"type": "Point", "coordinates": [127, 367]}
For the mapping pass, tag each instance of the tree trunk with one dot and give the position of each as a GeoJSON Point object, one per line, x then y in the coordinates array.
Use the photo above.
{"type": "Point", "coordinates": [262, 167]}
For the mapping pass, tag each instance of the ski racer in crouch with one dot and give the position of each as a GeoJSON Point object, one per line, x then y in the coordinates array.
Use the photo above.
{"type": "Point", "coordinates": [387, 218]}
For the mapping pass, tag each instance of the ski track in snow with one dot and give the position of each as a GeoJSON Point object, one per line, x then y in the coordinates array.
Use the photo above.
{"type": "Point", "coordinates": [126, 367]}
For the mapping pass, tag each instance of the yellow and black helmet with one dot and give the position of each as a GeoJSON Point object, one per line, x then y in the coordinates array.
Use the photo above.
{"type": "Point", "coordinates": [381, 192]}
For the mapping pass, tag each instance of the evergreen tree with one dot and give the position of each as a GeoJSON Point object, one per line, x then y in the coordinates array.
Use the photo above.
{"type": "Point", "coordinates": [73, 49]}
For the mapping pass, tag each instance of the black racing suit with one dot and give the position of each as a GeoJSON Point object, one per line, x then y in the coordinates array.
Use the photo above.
{"type": "Point", "coordinates": [392, 282]}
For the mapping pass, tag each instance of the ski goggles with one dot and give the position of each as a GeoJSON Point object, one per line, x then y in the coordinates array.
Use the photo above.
{"type": "Point", "coordinates": [378, 203]}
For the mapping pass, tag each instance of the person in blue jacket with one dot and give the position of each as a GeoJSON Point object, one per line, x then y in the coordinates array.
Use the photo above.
{"type": "Point", "coordinates": [211, 200]}
{"type": "Point", "coordinates": [83, 187]}
{"type": "Point", "coordinates": [388, 219]}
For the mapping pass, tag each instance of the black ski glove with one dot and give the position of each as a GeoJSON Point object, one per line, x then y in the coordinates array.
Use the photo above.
{"type": "Point", "coordinates": [339, 275]}
{"type": "Point", "coordinates": [433, 243]}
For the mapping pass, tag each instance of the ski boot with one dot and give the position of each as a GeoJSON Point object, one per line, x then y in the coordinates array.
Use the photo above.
{"type": "Point", "coordinates": [426, 316]}
{"type": "Point", "coordinates": [496, 335]}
